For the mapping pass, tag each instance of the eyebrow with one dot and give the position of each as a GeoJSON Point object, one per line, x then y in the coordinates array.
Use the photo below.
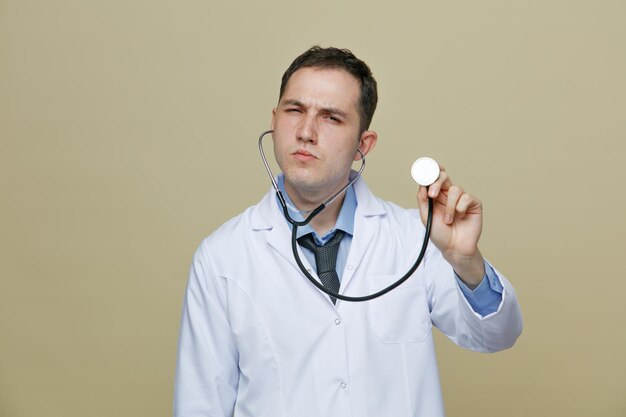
{"type": "Point", "coordinates": [330, 110]}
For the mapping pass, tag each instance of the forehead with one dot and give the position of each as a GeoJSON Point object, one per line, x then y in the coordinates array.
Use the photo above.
{"type": "Point", "coordinates": [323, 87]}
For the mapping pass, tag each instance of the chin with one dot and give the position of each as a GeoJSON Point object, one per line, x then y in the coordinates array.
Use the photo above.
{"type": "Point", "coordinates": [303, 181]}
{"type": "Point", "coordinates": [303, 184]}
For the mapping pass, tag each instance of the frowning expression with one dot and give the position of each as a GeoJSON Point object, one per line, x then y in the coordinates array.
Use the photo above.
{"type": "Point", "coordinates": [317, 130]}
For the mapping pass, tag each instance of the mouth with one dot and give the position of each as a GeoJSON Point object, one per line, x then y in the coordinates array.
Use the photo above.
{"type": "Point", "coordinates": [303, 156]}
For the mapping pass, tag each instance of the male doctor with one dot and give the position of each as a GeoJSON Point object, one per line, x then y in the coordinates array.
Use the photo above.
{"type": "Point", "coordinates": [258, 340]}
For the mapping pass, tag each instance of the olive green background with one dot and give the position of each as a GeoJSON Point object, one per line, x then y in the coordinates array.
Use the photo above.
{"type": "Point", "coordinates": [128, 133]}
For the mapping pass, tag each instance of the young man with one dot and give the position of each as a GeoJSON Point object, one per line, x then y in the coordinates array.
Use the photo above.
{"type": "Point", "coordinates": [257, 339]}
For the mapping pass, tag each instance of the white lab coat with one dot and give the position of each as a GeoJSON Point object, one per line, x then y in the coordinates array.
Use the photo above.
{"type": "Point", "coordinates": [258, 338]}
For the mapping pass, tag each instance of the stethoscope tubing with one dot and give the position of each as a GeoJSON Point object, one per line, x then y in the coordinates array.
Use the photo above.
{"type": "Point", "coordinates": [295, 224]}
{"type": "Point", "coordinates": [294, 248]}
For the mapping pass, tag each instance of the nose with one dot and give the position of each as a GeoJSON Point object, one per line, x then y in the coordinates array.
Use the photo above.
{"type": "Point", "coordinates": [307, 130]}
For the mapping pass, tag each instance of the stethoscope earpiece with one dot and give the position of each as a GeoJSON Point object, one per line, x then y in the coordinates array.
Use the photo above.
{"type": "Point", "coordinates": [321, 206]}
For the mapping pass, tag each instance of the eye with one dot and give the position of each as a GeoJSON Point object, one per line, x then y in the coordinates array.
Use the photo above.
{"type": "Point", "coordinates": [332, 118]}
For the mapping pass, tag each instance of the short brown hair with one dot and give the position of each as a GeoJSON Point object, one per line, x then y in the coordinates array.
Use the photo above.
{"type": "Point", "coordinates": [335, 58]}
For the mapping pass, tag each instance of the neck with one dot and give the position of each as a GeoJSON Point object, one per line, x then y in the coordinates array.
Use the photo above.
{"type": "Point", "coordinates": [325, 220]}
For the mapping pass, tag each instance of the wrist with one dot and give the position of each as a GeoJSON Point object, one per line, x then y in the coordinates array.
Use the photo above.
{"type": "Point", "coordinates": [470, 269]}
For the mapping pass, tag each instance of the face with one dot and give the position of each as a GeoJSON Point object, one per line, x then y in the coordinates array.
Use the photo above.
{"type": "Point", "coordinates": [317, 131]}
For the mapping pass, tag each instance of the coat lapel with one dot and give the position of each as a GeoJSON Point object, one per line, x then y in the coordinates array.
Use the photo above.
{"type": "Point", "coordinates": [366, 224]}
{"type": "Point", "coordinates": [268, 216]}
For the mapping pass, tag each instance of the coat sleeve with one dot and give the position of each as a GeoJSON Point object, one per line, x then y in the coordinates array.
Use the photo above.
{"type": "Point", "coordinates": [453, 315]}
{"type": "Point", "coordinates": [207, 372]}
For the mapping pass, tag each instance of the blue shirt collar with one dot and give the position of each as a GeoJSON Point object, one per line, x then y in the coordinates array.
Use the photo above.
{"type": "Point", "coordinates": [345, 220]}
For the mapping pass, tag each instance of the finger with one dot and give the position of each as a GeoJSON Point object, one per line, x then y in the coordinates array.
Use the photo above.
{"type": "Point", "coordinates": [467, 202]}
{"type": "Point", "coordinates": [454, 194]}
{"type": "Point", "coordinates": [443, 183]}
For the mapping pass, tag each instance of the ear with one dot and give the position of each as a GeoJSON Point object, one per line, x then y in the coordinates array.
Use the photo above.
{"type": "Point", "coordinates": [273, 117]}
{"type": "Point", "coordinates": [366, 143]}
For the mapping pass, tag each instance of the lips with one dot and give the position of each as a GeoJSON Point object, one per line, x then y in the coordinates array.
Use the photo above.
{"type": "Point", "coordinates": [302, 155]}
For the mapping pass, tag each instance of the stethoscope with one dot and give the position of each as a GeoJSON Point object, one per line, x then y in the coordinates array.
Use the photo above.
{"type": "Point", "coordinates": [424, 171]}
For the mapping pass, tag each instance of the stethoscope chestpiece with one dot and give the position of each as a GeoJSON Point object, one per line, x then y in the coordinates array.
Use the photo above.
{"type": "Point", "coordinates": [425, 171]}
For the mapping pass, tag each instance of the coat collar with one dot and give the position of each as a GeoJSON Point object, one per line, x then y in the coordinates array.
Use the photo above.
{"type": "Point", "coordinates": [268, 214]}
